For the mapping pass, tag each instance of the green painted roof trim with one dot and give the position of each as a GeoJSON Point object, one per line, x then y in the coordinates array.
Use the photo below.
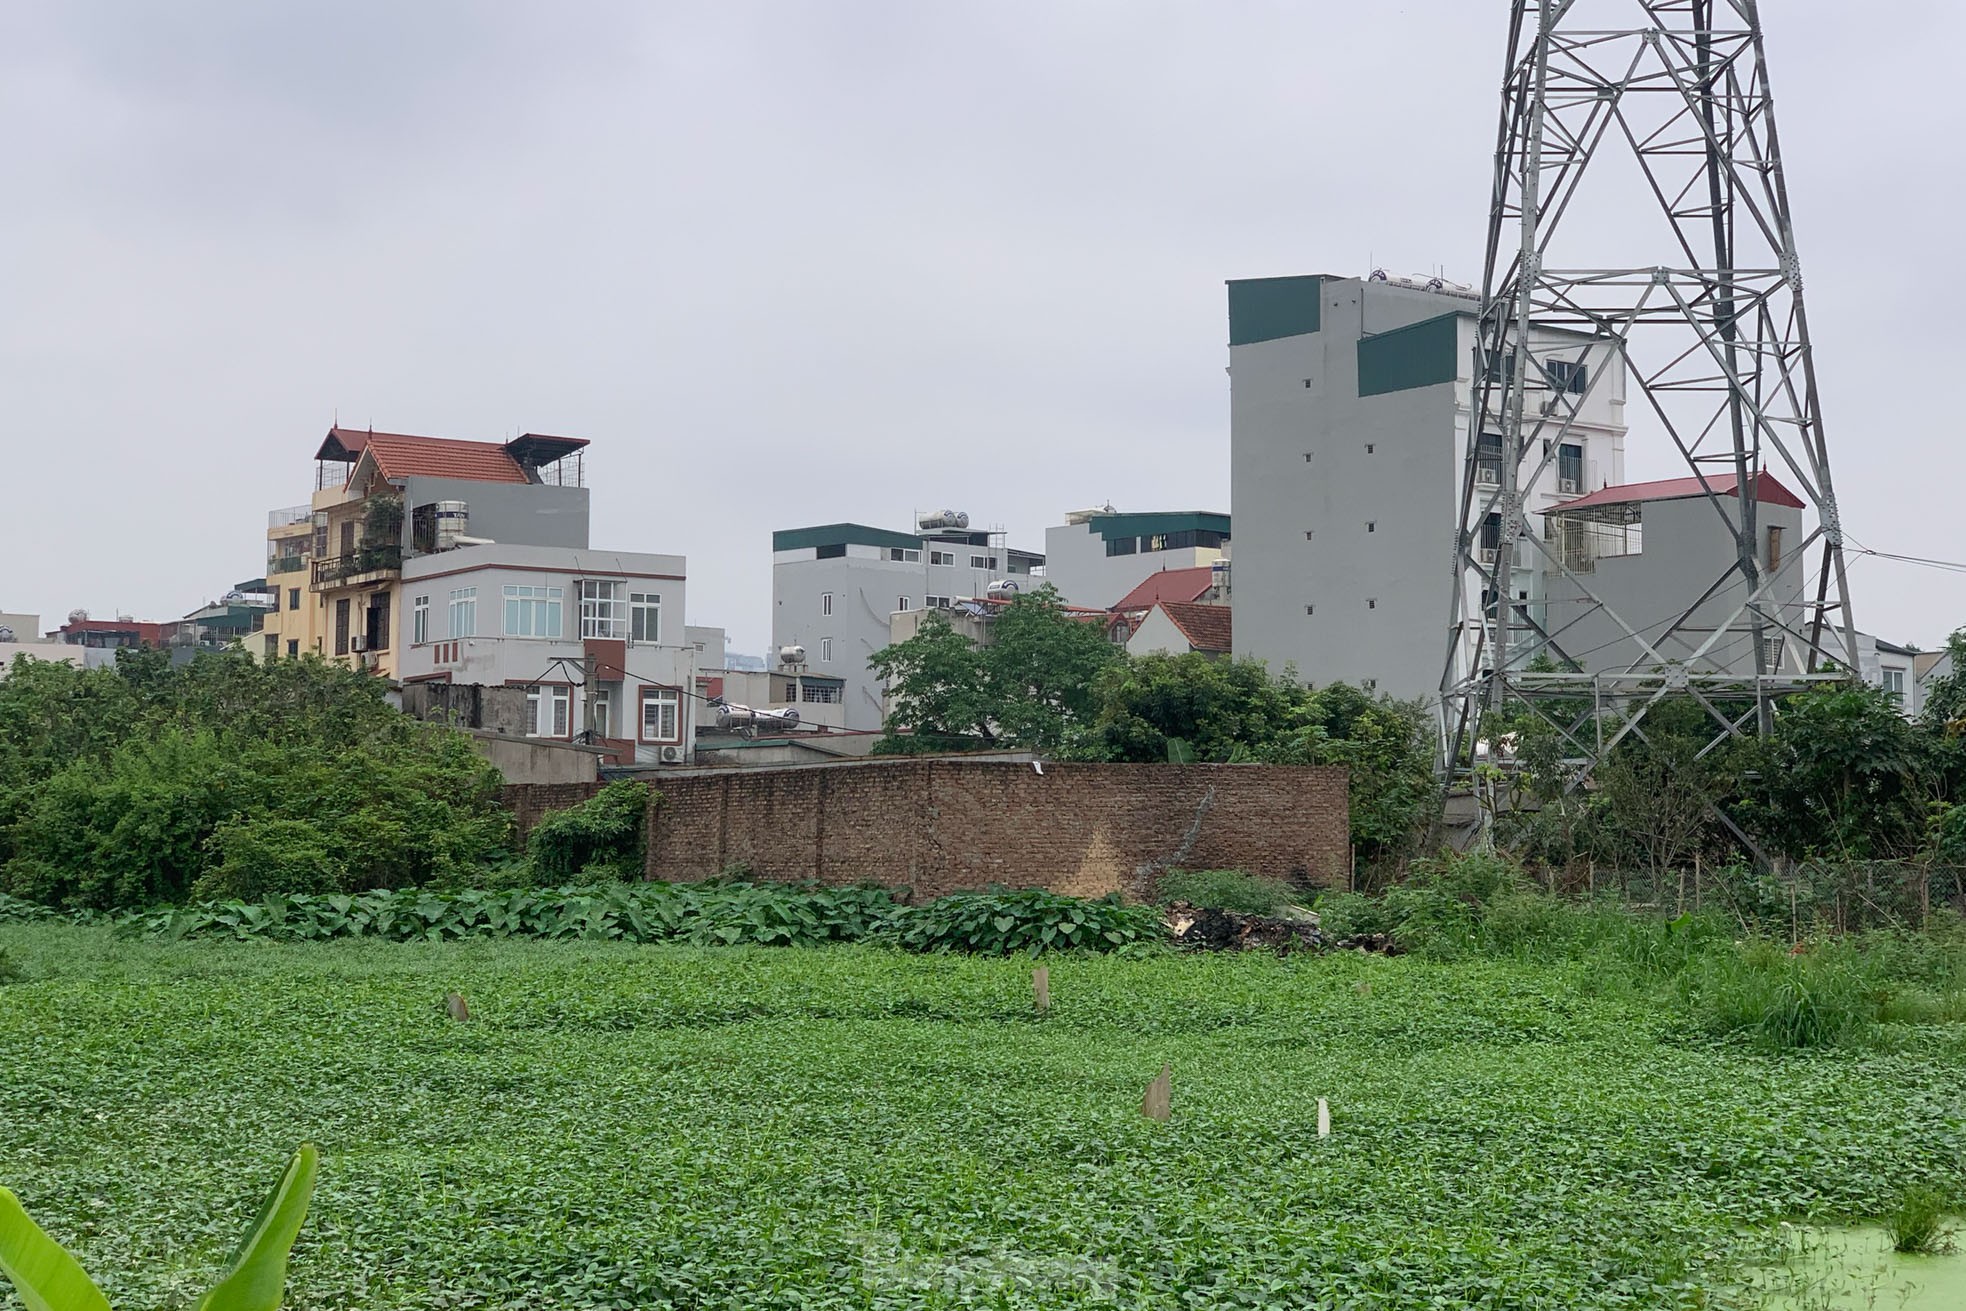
{"type": "Point", "coordinates": [841, 534]}
{"type": "Point", "coordinates": [1266, 309]}
{"type": "Point", "coordinates": [1109, 526]}
{"type": "Point", "coordinates": [1422, 354]}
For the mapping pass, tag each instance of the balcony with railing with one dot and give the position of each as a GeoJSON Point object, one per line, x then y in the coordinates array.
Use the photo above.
{"type": "Point", "coordinates": [369, 564]}
{"type": "Point", "coordinates": [289, 517]}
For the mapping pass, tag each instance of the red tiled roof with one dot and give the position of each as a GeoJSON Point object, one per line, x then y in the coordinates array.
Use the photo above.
{"type": "Point", "coordinates": [1168, 585]}
{"type": "Point", "coordinates": [1768, 490]}
{"type": "Point", "coordinates": [1208, 628]}
{"type": "Point", "coordinates": [400, 456]}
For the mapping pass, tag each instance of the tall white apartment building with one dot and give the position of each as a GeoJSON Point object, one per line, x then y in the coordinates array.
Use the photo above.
{"type": "Point", "coordinates": [1349, 412]}
{"type": "Point", "coordinates": [834, 587]}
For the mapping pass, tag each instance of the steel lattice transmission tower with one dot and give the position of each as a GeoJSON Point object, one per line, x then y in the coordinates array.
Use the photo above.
{"type": "Point", "coordinates": [1640, 220]}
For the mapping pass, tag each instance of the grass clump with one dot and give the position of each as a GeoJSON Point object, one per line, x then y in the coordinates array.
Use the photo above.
{"type": "Point", "coordinates": [9, 972]}
{"type": "Point", "coordinates": [1226, 889]}
{"type": "Point", "coordinates": [1917, 1223]}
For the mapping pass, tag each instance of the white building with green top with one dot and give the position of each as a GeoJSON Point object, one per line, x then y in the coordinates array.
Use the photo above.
{"type": "Point", "coordinates": [833, 588]}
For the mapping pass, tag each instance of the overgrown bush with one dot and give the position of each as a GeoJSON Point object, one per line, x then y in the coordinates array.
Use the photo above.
{"type": "Point", "coordinates": [1226, 889]}
{"type": "Point", "coordinates": [1780, 1000]}
{"type": "Point", "coordinates": [126, 787]}
{"type": "Point", "coordinates": [9, 971]}
{"type": "Point", "coordinates": [607, 834]}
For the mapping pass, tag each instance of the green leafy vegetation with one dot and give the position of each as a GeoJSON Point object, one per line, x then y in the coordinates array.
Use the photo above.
{"type": "Point", "coordinates": [48, 1278]}
{"type": "Point", "coordinates": [1227, 889]}
{"type": "Point", "coordinates": [128, 786]}
{"type": "Point", "coordinates": [1918, 1222]}
{"type": "Point", "coordinates": [607, 834]}
{"type": "Point", "coordinates": [720, 913]}
{"type": "Point", "coordinates": [1529, 1125]}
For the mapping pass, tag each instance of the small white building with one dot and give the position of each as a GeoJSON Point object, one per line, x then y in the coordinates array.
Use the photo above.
{"type": "Point", "coordinates": [1099, 556]}
{"type": "Point", "coordinates": [1894, 669]}
{"type": "Point", "coordinates": [20, 635]}
{"type": "Point", "coordinates": [531, 616]}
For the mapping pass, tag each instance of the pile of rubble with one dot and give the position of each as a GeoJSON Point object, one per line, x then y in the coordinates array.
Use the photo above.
{"type": "Point", "coordinates": [1209, 929]}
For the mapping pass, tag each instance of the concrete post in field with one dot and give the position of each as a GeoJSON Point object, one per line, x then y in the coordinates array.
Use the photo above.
{"type": "Point", "coordinates": [1158, 1104]}
{"type": "Point", "coordinates": [1041, 988]}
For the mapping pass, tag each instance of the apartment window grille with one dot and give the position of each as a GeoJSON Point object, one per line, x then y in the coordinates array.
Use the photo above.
{"type": "Point", "coordinates": [550, 707]}
{"type": "Point", "coordinates": [1567, 375]}
{"type": "Point", "coordinates": [1570, 468]}
{"type": "Point", "coordinates": [419, 621]}
{"type": "Point", "coordinates": [1771, 653]}
{"type": "Point", "coordinates": [662, 715]}
{"type": "Point", "coordinates": [464, 612]}
{"type": "Point", "coordinates": [603, 608]}
{"type": "Point", "coordinates": [645, 616]}
{"type": "Point", "coordinates": [341, 626]}
{"type": "Point", "coordinates": [532, 610]}
{"type": "Point", "coordinates": [820, 694]}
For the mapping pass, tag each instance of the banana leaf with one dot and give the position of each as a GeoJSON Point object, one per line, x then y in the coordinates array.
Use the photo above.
{"type": "Point", "coordinates": [256, 1277]}
{"type": "Point", "coordinates": [46, 1277]}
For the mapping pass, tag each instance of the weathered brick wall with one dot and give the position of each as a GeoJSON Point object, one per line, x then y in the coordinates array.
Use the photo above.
{"type": "Point", "coordinates": [940, 826]}
{"type": "Point", "coordinates": [532, 802]}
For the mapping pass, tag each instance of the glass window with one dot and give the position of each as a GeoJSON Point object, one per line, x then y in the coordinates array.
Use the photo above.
{"type": "Point", "coordinates": [824, 694]}
{"type": "Point", "coordinates": [532, 611]}
{"type": "Point", "coordinates": [420, 621]}
{"type": "Point", "coordinates": [904, 603]}
{"type": "Point", "coordinates": [1894, 683]}
{"type": "Point", "coordinates": [1570, 467]}
{"type": "Point", "coordinates": [826, 649]}
{"type": "Point", "coordinates": [293, 647]}
{"type": "Point", "coordinates": [644, 616]}
{"type": "Point", "coordinates": [1122, 546]}
{"type": "Point", "coordinates": [604, 712]}
{"type": "Point", "coordinates": [293, 598]}
{"type": "Point", "coordinates": [550, 708]}
{"type": "Point", "coordinates": [904, 555]}
{"type": "Point", "coordinates": [1567, 375]}
{"type": "Point", "coordinates": [941, 602]}
{"type": "Point", "coordinates": [464, 612]}
{"type": "Point", "coordinates": [826, 603]}
{"type": "Point", "coordinates": [941, 557]}
{"type": "Point", "coordinates": [341, 627]}
{"type": "Point", "coordinates": [603, 608]}
{"type": "Point", "coordinates": [661, 714]}
{"type": "Point", "coordinates": [980, 562]}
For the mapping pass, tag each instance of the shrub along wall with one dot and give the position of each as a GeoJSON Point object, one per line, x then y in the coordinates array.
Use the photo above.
{"type": "Point", "coordinates": [948, 825]}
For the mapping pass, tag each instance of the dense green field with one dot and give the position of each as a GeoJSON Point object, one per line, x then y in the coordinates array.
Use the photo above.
{"type": "Point", "coordinates": [632, 1126]}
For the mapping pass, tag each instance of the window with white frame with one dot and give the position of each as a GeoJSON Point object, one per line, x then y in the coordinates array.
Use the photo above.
{"type": "Point", "coordinates": [904, 604]}
{"type": "Point", "coordinates": [550, 707]}
{"type": "Point", "coordinates": [982, 561]}
{"type": "Point", "coordinates": [941, 557]}
{"type": "Point", "coordinates": [826, 649]}
{"type": "Point", "coordinates": [533, 610]}
{"type": "Point", "coordinates": [662, 714]}
{"type": "Point", "coordinates": [604, 712]}
{"type": "Point", "coordinates": [904, 555]}
{"type": "Point", "coordinates": [464, 612]}
{"type": "Point", "coordinates": [941, 602]}
{"type": "Point", "coordinates": [821, 694]}
{"type": "Point", "coordinates": [644, 617]}
{"type": "Point", "coordinates": [1894, 683]}
{"type": "Point", "coordinates": [603, 608]}
{"type": "Point", "coordinates": [825, 603]}
{"type": "Point", "coordinates": [420, 621]}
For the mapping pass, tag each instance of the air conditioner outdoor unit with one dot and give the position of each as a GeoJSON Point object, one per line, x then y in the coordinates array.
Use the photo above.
{"type": "Point", "coordinates": [1487, 555]}
{"type": "Point", "coordinates": [1568, 486]}
{"type": "Point", "coordinates": [1487, 476]}
{"type": "Point", "coordinates": [672, 755]}
{"type": "Point", "coordinates": [358, 644]}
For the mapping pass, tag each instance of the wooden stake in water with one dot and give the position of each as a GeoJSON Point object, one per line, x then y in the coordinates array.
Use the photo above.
{"type": "Point", "coordinates": [1158, 1104]}
{"type": "Point", "coordinates": [1323, 1118]}
{"type": "Point", "coordinates": [454, 1003]}
{"type": "Point", "coordinates": [1041, 988]}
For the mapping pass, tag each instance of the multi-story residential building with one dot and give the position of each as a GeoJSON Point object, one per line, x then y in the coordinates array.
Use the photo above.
{"type": "Point", "coordinates": [1646, 552]}
{"type": "Point", "coordinates": [1349, 413]}
{"type": "Point", "coordinates": [534, 616]}
{"type": "Point", "coordinates": [380, 499]}
{"type": "Point", "coordinates": [1098, 556]}
{"type": "Point", "coordinates": [834, 588]}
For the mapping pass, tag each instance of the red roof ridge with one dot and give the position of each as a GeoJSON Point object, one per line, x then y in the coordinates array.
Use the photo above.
{"type": "Point", "coordinates": [1207, 627]}
{"type": "Point", "coordinates": [1768, 489]}
{"type": "Point", "coordinates": [1187, 584]}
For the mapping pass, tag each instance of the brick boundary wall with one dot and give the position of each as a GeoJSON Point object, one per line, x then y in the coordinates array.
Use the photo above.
{"type": "Point", "coordinates": [532, 802]}
{"type": "Point", "coordinates": [943, 825]}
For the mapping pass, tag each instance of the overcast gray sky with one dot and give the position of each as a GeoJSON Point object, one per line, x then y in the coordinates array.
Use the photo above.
{"type": "Point", "coordinates": [797, 263]}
